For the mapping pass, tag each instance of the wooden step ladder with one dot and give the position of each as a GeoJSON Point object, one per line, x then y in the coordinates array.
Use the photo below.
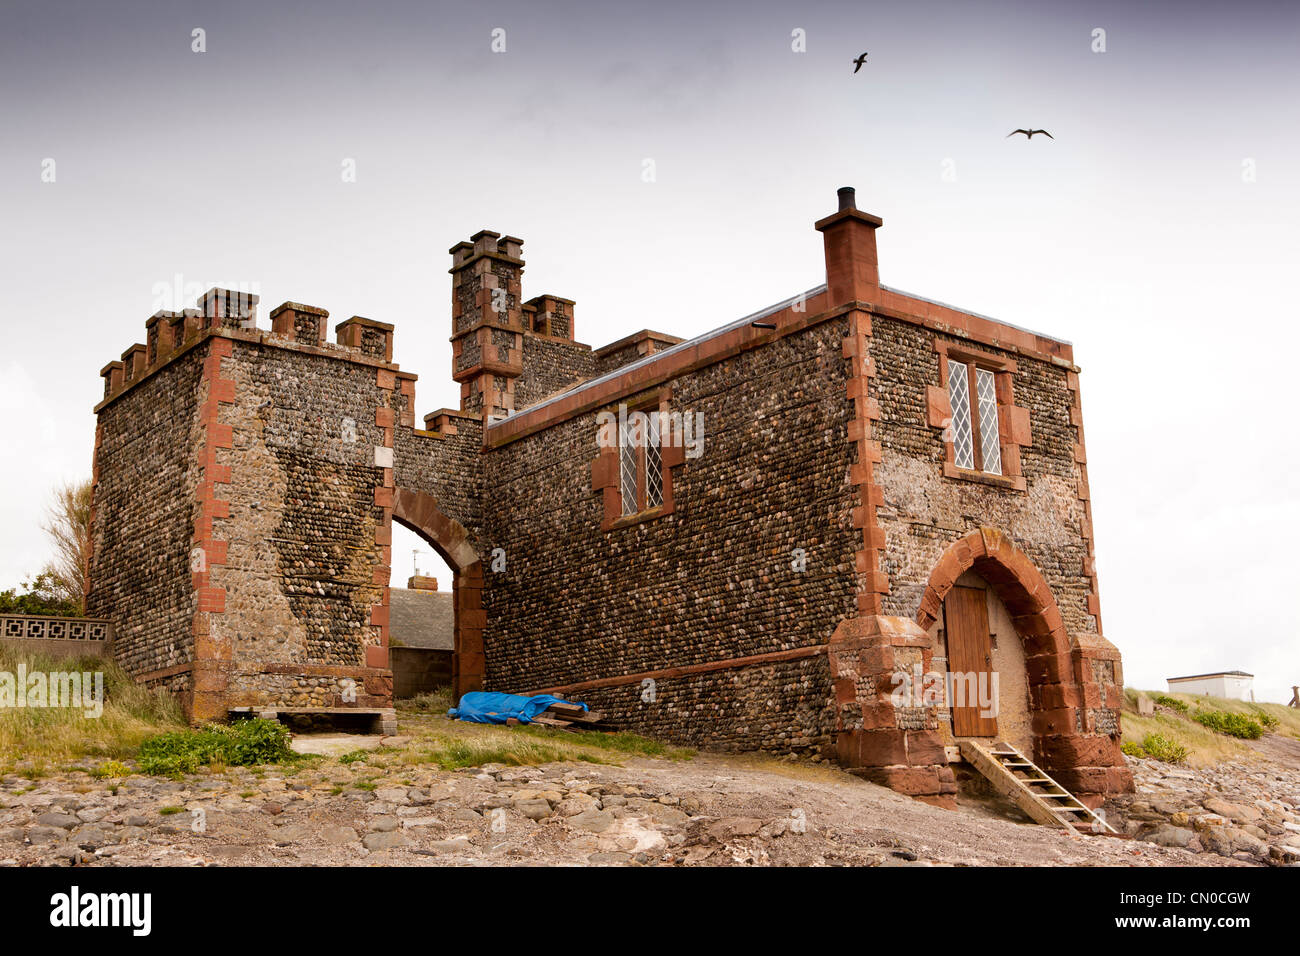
{"type": "Point", "coordinates": [1016, 776]}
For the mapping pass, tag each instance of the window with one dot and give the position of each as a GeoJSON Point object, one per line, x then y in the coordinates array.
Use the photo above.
{"type": "Point", "coordinates": [972, 394]}
{"type": "Point", "coordinates": [640, 469]}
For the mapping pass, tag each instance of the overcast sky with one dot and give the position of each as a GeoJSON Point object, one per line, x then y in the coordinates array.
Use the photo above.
{"type": "Point", "coordinates": [1156, 231]}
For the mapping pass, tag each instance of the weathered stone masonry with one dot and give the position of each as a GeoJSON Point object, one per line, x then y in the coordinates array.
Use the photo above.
{"type": "Point", "coordinates": [791, 570]}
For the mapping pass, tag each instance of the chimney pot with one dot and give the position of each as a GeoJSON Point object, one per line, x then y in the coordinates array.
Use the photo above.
{"type": "Point", "coordinates": [847, 196]}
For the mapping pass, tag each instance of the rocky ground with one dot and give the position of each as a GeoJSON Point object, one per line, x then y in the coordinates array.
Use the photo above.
{"type": "Point", "coordinates": [711, 810]}
{"type": "Point", "coordinates": [1248, 811]}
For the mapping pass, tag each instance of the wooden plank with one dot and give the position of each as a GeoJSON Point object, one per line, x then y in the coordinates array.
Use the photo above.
{"type": "Point", "coordinates": [1033, 802]}
{"type": "Point", "coordinates": [970, 651]}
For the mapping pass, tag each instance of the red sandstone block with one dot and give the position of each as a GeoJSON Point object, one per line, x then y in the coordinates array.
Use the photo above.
{"type": "Point", "coordinates": [1082, 781]}
{"type": "Point", "coordinates": [376, 656]}
{"type": "Point", "coordinates": [938, 408]}
{"type": "Point", "coordinates": [384, 535]}
{"type": "Point", "coordinates": [1093, 603]}
{"type": "Point", "coordinates": [1062, 720]}
{"type": "Point", "coordinates": [1016, 424]}
{"type": "Point", "coordinates": [385, 417]}
{"type": "Point", "coordinates": [385, 379]}
{"type": "Point", "coordinates": [211, 599]}
{"type": "Point", "coordinates": [470, 640]}
{"type": "Point", "coordinates": [378, 686]}
{"type": "Point", "coordinates": [879, 715]}
{"type": "Point", "coordinates": [384, 497]}
{"type": "Point", "coordinates": [1049, 669]}
{"type": "Point", "coordinates": [924, 748]}
{"type": "Point", "coordinates": [220, 436]}
{"type": "Point", "coordinates": [869, 602]}
{"type": "Point", "coordinates": [876, 748]}
{"type": "Point", "coordinates": [208, 680]}
{"type": "Point", "coordinates": [912, 781]}
{"type": "Point", "coordinates": [379, 615]}
{"type": "Point", "coordinates": [206, 707]}
{"type": "Point", "coordinates": [1074, 750]}
{"type": "Point", "coordinates": [845, 691]}
{"type": "Point", "coordinates": [1055, 696]}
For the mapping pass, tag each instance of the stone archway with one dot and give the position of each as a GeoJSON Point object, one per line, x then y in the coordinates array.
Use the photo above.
{"type": "Point", "coordinates": [1075, 686]}
{"type": "Point", "coordinates": [1021, 587]}
{"type": "Point", "coordinates": [419, 512]}
{"type": "Point", "coordinates": [1070, 682]}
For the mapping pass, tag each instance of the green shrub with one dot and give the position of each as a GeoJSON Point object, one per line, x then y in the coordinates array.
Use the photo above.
{"type": "Point", "coordinates": [1161, 747]}
{"type": "Point", "coordinates": [1164, 700]}
{"type": "Point", "coordinates": [1132, 750]}
{"type": "Point", "coordinates": [1264, 717]}
{"type": "Point", "coordinates": [111, 769]}
{"type": "Point", "coordinates": [245, 743]}
{"type": "Point", "coordinates": [1234, 725]}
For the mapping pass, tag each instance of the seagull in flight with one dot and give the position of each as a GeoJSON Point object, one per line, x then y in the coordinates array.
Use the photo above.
{"type": "Point", "coordinates": [859, 61]}
{"type": "Point", "coordinates": [1029, 133]}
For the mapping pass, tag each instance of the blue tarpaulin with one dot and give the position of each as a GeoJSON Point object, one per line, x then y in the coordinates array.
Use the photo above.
{"type": "Point", "coordinates": [481, 707]}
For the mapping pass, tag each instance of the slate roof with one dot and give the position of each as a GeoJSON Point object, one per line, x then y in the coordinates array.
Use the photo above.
{"type": "Point", "coordinates": [422, 618]}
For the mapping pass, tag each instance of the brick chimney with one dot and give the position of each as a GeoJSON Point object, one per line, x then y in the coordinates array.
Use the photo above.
{"type": "Point", "coordinates": [487, 322]}
{"type": "Point", "coordinates": [419, 582]}
{"type": "Point", "coordinates": [852, 273]}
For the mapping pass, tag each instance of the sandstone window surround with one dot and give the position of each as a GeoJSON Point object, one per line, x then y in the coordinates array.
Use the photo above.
{"type": "Point", "coordinates": [633, 468]}
{"type": "Point", "coordinates": [974, 404]}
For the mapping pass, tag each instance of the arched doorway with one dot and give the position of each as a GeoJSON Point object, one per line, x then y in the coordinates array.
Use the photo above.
{"type": "Point", "coordinates": [951, 605]}
{"type": "Point", "coordinates": [419, 513]}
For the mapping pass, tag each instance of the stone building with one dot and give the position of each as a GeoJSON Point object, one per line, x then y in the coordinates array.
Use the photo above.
{"type": "Point", "coordinates": [846, 492]}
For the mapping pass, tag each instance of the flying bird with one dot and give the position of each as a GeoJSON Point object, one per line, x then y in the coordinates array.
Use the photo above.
{"type": "Point", "coordinates": [1029, 133]}
{"type": "Point", "coordinates": [859, 61]}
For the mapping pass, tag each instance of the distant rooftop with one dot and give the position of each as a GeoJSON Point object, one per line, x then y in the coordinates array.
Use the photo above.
{"type": "Point", "coordinates": [1215, 674]}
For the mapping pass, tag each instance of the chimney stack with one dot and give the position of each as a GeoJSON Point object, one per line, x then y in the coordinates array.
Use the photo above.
{"type": "Point", "coordinates": [852, 271]}
{"type": "Point", "coordinates": [487, 322]}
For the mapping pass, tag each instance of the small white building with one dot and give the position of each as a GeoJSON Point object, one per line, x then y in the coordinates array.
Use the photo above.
{"type": "Point", "coordinates": [1232, 685]}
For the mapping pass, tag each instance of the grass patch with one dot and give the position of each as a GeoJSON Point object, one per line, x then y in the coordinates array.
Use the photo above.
{"type": "Point", "coordinates": [241, 744]}
{"type": "Point", "coordinates": [169, 811]}
{"type": "Point", "coordinates": [62, 734]}
{"type": "Point", "coordinates": [436, 701]}
{"type": "Point", "coordinates": [618, 741]}
{"type": "Point", "coordinates": [454, 744]}
{"type": "Point", "coordinates": [1203, 725]}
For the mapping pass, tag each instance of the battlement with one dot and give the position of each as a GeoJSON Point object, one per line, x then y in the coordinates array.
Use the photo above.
{"type": "Point", "coordinates": [234, 313]}
{"type": "Point", "coordinates": [490, 321]}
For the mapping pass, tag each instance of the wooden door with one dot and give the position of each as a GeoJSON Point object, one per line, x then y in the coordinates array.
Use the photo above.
{"type": "Point", "coordinates": [970, 651]}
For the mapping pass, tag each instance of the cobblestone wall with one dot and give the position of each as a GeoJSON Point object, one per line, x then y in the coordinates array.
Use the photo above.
{"type": "Point", "coordinates": [144, 518]}
{"type": "Point", "coordinates": [302, 553]}
{"type": "Point", "coordinates": [550, 365]}
{"type": "Point", "coordinates": [925, 512]}
{"type": "Point", "coordinates": [711, 581]}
